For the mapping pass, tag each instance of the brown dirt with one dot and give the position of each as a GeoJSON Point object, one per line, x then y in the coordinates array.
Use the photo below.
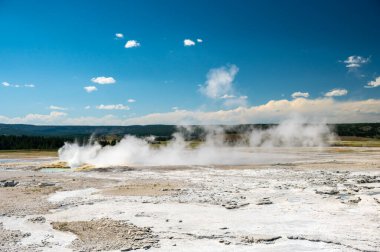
{"type": "Point", "coordinates": [30, 195]}
{"type": "Point", "coordinates": [107, 234]}
{"type": "Point", "coordinates": [145, 188]}
{"type": "Point", "coordinates": [19, 201]}
{"type": "Point", "coordinates": [9, 154]}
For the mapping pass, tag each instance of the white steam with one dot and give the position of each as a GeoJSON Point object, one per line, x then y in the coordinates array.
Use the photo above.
{"type": "Point", "coordinates": [215, 150]}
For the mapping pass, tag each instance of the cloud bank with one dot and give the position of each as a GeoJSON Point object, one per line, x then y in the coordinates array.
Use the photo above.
{"type": "Point", "coordinates": [274, 111]}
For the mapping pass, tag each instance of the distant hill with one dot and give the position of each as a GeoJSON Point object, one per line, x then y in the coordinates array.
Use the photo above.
{"type": "Point", "coordinates": [80, 131]}
{"type": "Point", "coordinates": [356, 129]}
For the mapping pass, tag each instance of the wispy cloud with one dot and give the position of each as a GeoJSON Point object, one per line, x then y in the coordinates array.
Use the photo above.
{"type": "Point", "coordinates": [90, 89]}
{"type": "Point", "coordinates": [188, 42]}
{"type": "Point", "coordinates": [336, 92]}
{"type": "Point", "coordinates": [374, 83]}
{"type": "Point", "coordinates": [131, 44]}
{"type": "Point", "coordinates": [199, 40]}
{"type": "Point", "coordinates": [227, 96]}
{"type": "Point", "coordinates": [53, 107]}
{"type": "Point", "coordinates": [103, 80]}
{"type": "Point", "coordinates": [113, 107]}
{"type": "Point", "coordinates": [119, 35]}
{"type": "Point", "coordinates": [300, 94]}
{"type": "Point", "coordinates": [54, 117]}
{"type": "Point", "coordinates": [219, 81]}
{"type": "Point", "coordinates": [7, 84]}
{"type": "Point", "coordinates": [131, 100]}
{"type": "Point", "coordinates": [354, 62]}
{"type": "Point", "coordinates": [87, 107]}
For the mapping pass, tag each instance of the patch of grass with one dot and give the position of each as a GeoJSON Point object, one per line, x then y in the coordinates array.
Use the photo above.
{"type": "Point", "coordinates": [360, 143]}
{"type": "Point", "coordinates": [27, 153]}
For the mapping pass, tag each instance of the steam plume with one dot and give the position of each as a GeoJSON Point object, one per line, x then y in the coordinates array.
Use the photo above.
{"type": "Point", "coordinates": [213, 151]}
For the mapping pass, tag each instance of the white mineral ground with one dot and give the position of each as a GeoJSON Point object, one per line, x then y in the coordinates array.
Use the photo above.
{"type": "Point", "coordinates": [318, 199]}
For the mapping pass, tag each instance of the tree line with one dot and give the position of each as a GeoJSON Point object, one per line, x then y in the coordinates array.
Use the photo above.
{"type": "Point", "coordinates": [31, 142]}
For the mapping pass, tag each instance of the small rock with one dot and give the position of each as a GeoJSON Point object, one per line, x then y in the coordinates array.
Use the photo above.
{"type": "Point", "coordinates": [38, 219]}
{"type": "Point", "coordinates": [8, 183]}
{"type": "Point", "coordinates": [264, 201]}
{"type": "Point", "coordinates": [45, 184]}
{"type": "Point", "coordinates": [328, 191]}
{"type": "Point", "coordinates": [260, 238]}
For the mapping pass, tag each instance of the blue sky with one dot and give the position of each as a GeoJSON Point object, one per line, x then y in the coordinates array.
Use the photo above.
{"type": "Point", "coordinates": [256, 61]}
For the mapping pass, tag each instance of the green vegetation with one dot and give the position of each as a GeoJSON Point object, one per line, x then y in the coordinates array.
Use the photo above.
{"type": "Point", "coordinates": [30, 142]}
{"type": "Point", "coordinates": [20, 136]}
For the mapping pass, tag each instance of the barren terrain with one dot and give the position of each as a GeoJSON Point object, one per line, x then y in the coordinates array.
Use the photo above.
{"type": "Point", "coordinates": [320, 199]}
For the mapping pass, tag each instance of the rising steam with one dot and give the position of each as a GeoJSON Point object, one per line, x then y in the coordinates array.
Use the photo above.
{"type": "Point", "coordinates": [214, 150]}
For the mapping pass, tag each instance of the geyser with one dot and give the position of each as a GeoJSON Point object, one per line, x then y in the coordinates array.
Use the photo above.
{"type": "Point", "coordinates": [258, 147]}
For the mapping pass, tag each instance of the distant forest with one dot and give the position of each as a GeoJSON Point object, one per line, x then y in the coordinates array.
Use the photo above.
{"type": "Point", "coordinates": [30, 142]}
{"type": "Point", "coordinates": [20, 136]}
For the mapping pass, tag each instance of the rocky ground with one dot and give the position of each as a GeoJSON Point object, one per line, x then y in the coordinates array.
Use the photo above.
{"type": "Point", "coordinates": [321, 200]}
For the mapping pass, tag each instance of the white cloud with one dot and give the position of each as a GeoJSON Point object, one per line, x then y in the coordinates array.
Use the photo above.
{"type": "Point", "coordinates": [52, 107]}
{"type": "Point", "coordinates": [188, 42]}
{"type": "Point", "coordinates": [132, 43]}
{"type": "Point", "coordinates": [199, 40]}
{"type": "Point", "coordinates": [87, 107]}
{"type": "Point", "coordinates": [333, 111]}
{"type": "Point", "coordinates": [227, 96]}
{"type": "Point", "coordinates": [112, 107]}
{"type": "Point", "coordinates": [131, 100]}
{"type": "Point", "coordinates": [7, 84]}
{"type": "Point", "coordinates": [374, 83]}
{"type": "Point", "coordinates": [103, 80]}
{"type": "Point", "coordinates": [336, 92]}
{"type": "Point", "coordinates": [119, 35]}
{"type": "Point", "coordinates": [219, 81]}
{"type": "Point", "coordinates": [54, 117]}
{"type": "Point", "coordinates": [273, 111]}
{"type": "Point", "coordinates": [90, 89]}
{"type": "Point", "coordinates": [175, 108]}
{"type": "Point", "coordinates": [300, 94]}
{"type": "Point", "coordinates": [354, 62]}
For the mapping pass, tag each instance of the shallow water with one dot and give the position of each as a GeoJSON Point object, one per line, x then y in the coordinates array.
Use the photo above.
{"type": "Point", "coordinates": [54, 170]}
